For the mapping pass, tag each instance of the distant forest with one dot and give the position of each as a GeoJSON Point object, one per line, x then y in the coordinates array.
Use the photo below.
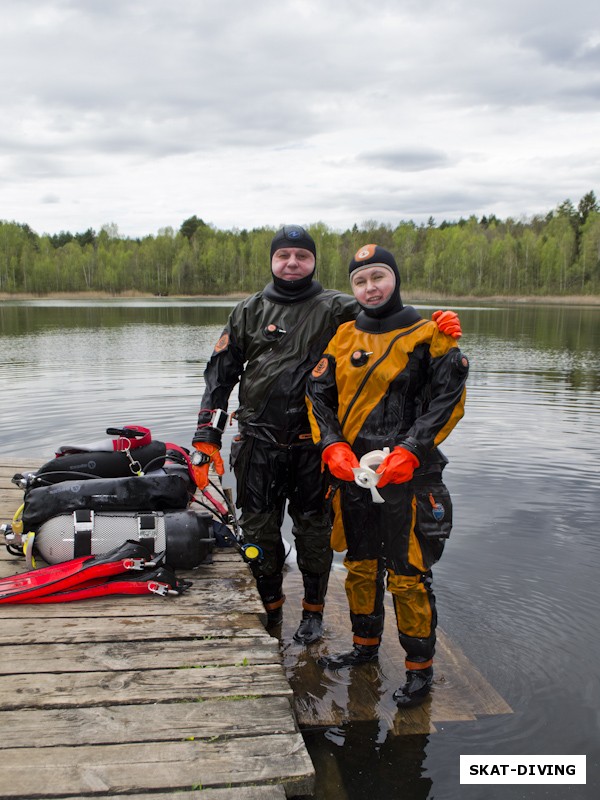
{"type": "Point", "coordinates": [556, 254]}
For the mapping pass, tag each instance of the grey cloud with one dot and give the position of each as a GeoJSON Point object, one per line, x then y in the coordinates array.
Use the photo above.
{"type": "Point", "coordinates": [168, 93]}
{"type": "Point", "coordinates": [418, 202]}
{"type": "Point", "coordinates": [32, 167]}
{"type": "Point", "coordinates": [406, 159]}
{"type": "Point", "coordinates": [413, 204]}
{"type": "Point", "coordinates": [170, 84]}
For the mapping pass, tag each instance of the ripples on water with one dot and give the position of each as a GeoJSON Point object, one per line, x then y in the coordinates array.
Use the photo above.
{"type": "Point", "coordinates": [75, 383]}
{"type": "Point", "coordinates": [517, 586]}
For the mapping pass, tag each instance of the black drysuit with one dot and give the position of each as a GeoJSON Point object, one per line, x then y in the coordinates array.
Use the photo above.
{"type": "Point", "coordinates": [270, 344]}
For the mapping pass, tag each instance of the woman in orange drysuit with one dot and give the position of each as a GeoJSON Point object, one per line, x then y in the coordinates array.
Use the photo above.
{"type": "Point", "coordinates": [388, 379]}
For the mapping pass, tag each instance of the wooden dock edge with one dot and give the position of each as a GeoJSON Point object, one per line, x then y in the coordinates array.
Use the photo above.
{"type": "Point", "coordinates": [169, 698]}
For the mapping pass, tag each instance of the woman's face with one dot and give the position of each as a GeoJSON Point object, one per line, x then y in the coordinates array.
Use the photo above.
{"type": "Point", "coordinates": [373, 286]}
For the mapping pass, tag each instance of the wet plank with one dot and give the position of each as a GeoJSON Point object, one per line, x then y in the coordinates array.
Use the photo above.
{"type": "Point", "coordinates": [271, 792]}
{"type": "Point", "coordinates": [331, 698]}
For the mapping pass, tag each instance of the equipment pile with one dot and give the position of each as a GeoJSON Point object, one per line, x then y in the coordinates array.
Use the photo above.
{"type": "Point", "coordinates": [97, 514]}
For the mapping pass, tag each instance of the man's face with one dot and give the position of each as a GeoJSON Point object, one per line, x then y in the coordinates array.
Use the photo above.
{"type": "Point", "coordinates": [292, 263]}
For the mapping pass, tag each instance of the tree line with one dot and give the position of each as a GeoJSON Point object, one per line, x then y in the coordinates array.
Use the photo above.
{"type": "Point", "coordinates": [555, 254]}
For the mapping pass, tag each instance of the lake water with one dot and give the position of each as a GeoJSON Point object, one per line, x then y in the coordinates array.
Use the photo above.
{"type": "Point", "coordinates": [518, 587]}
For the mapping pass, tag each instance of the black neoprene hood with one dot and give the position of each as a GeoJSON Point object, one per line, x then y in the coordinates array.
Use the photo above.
{"type": "Point", "coordinates": [293, 236]}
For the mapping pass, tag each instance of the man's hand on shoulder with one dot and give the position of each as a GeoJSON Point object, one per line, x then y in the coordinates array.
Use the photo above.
{"type": "Point", "coordinates": [448, 322]}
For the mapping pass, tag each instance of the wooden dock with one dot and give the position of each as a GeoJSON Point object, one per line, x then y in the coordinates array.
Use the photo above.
{"type": "Point", "coordinates": [189, 697]}
{"type": "Point", "coordinates": [179, 697]}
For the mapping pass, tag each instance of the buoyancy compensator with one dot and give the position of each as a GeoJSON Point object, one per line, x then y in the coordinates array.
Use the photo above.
{"type": "Point", "coordinates": [142, 492]}
{"type": "Point", "coordinates": [102, 464]}
{"type": "Point", "coordinates": [107, 458]}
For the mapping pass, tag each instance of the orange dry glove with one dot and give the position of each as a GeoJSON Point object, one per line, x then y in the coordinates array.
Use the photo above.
{"type": "Point", "coordinates": [448, 322]}
{"type": "Point", "coordinates": [206, 454]}
{"type": "Point", "coordinates": [398, 467]}
{"type": "Point", "coordinates": [340, 459]}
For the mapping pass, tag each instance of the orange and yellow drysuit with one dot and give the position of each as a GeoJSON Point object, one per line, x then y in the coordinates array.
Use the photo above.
{"type": "Point", "coordinates": [383, 383]}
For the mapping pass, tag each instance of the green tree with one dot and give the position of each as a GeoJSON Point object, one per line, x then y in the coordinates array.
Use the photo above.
{"type": "Point", "coordinates": [589, 254]}
{"type": "Point", "coordinates": [558, 253]}
{"type": "Point", "coordinates": [587, 205]}
{"type": "Point", "coordinates": [190, 225]}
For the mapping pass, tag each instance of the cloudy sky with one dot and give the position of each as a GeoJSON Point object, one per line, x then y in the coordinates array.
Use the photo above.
{"type": "Point", "coordinates": [261, 112]}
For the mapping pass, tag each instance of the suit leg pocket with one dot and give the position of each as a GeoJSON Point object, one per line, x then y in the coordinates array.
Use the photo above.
{"type": "Point", "coordinates": [434, 511]}
{"type": "Point", "coordinates": [433, 520]}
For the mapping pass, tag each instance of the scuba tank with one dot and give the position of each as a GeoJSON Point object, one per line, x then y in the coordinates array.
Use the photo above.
{"type": "Point", "coordinates": [185, 537]}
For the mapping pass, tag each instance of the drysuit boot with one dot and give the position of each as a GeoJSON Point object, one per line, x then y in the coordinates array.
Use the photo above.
{"type": "Point", "coordinates": [270, 590]}
{"type": "Point", "coordinates": [415, 690]}
{"type": "Point", "coordinates": [275, 615]}
{"type": "Point", "coordinates": [360, 654]}
{"type": "Point", "coordinates": [311, 625]}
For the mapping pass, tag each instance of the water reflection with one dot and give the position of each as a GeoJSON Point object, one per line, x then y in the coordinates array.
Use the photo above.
{"type": "Point", "coordinates": [46, 315]}
{"type": "Point", "coordinates": [360, 761]}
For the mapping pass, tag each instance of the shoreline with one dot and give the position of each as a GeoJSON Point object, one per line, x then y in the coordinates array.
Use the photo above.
{"type": "Point", "coordinates": [571, 300]}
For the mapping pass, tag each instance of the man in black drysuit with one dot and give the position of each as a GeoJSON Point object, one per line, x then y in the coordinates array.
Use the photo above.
{"type": "Point", "coordinates": [270, 344]}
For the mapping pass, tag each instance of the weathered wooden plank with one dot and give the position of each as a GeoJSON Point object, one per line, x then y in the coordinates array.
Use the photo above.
{"type": "Point", "coordinates": [80, 689]}
{"type": "Point", "coordinates": [39, 630]}
{"type": "Point", "coordinates": [117, 656]}
{"type": "Point", "coordinates": [268, 792]}
{"type": "Point", "coordinates": [9, 564]}
{"type": "Point", "coordinates": [123, 769]}
{"type": "Point", "coordinates": [164, 722]}
{"type": "Point", "coordinates": [11, 466]}
{"type": "Point", "coordinates": [201, 604]}
{"type": "Point", "coordinates": [459, 676]}
{"type": "Point", "coordinates": [10, 499]}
